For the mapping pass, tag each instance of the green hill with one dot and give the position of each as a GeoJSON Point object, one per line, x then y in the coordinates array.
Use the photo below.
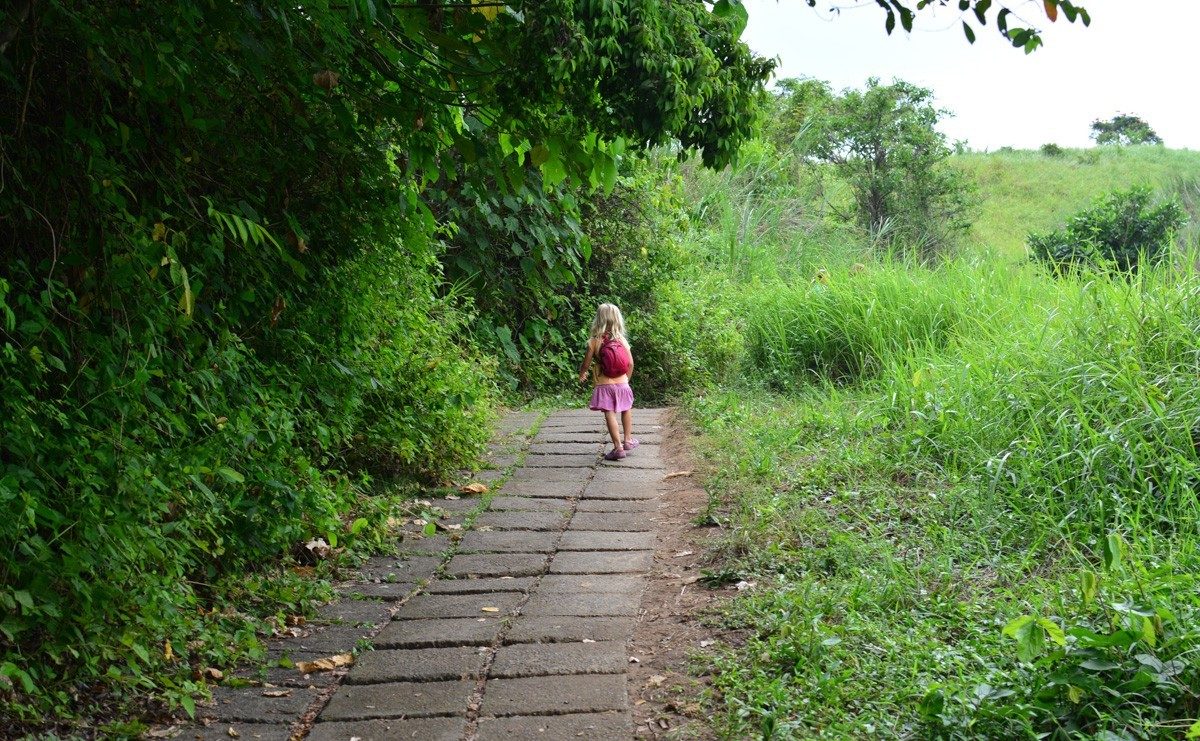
{"type": "Point", "coordinates": [1025, 191]}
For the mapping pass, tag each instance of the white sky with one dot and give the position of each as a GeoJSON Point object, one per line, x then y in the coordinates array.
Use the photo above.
{"type": "Point", "coordinates": [1133, 58]}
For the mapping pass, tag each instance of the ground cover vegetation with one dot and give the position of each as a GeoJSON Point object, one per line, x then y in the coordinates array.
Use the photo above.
{"type": "Point", "coordinates": [258, 258]}
{"type": "Point", "coordinates": [960, 492]}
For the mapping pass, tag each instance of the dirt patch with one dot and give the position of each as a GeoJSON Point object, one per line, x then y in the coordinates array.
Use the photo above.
{"type": "Point", "coordinates": [667, 698]}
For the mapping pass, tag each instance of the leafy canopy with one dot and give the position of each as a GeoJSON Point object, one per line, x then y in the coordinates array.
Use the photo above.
{"type": "Point", "coordinates": [1124, 129]}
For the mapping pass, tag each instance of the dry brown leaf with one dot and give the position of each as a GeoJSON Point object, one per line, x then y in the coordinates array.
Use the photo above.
{"type": "Point", "coordinates": [453, 497]}
{"type": "Point", "coordinates": [326, 79]}
{"type": "Point", "coordinates": [490, 609]}
{"type": "Point", "coordinates": [657, 679]}
{"type": "Point", "coordinates": [676, 474]}
{"type": "Point", "coordinates": [232, 732]}
{"type": "Point", "coordinates": [277, 693]}
{"type": "Point", "coordinates": [326, 664]}
{"type": "Point", "coordinates": [474, 488]}
{"type": "Point", "coordinates": [168, 652]}
{"type": "Point", "coordinates": [214, 674]}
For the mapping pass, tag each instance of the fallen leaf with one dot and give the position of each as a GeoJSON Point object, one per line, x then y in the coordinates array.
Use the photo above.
{"type": "Point", "coordinates": [676, 474]}
{"type": "Point", "coordinates": [706, 644]}
{"type": "Point", "coordinates": [589, 640]}
{"type": "Point", "coordinates": [474, 488]}
{"type": "Point", "coordinates": [657, 679]}
{"type": "Point", "coordinates": [490, 609]}
{"type": "Point", "coordinates": [277, 693]}
{"type": "Point", "coordinates": [213, 674]}
{"type": "Point", "coordinates": [634, 660]}
{"type": "Point", "coordinates": [233, 732]}
{"type": "Point", "coordinates": [443, 526]}
{"type": "Point", "coordinates": [681, 554]}
{"type": "Point", "coordinates": [168, 732]}
{"type": "Point", "coordinates": [324, 665]}
{"type": "Point", "coordinates": [419, 522]}
{"type": "Point", "coordinates": [453, 497]}
{"type": "Point", "coordinates": [296, 620]}
{"type": "Point", "coordinates": [319, 548]}
{"type": "Point", "coordinates": [744, 585]}
{"type": "Point", "coordinates": [168, 652]}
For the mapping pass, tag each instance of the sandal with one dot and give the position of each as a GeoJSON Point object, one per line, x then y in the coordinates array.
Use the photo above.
{"type": "Point", "coordinates": [631, 443]}
{"type": "Point", "coordinates": [615, 454]}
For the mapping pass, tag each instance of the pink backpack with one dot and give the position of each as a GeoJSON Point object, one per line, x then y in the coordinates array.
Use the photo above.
{"type": "Point", "coordinates": [614, 358]}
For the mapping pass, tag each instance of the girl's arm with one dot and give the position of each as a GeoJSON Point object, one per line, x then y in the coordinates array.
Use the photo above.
{"type": "Point", "coordinates": [587, 363]}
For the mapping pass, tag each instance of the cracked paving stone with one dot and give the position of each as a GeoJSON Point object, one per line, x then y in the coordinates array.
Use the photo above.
{"type": "Point", "coordinates": [591, 584]}
{"type": "Point", "coordinates": [354, 612]}
{"type": "Point", "coordinates": [568, 629]}
{"type": "Point", "coordinates": [522, 520]}
{"type": "Point", "coordinates": [582, 605]}
{"type": "Point", "coordinates": [249, 705]}
{"type": "Point", "coordinates": [398, 568]}
{"type": "Point", "coordinates": [416, 665]}
{"type": "Point", "coordinates": [615, 726]}
{"type": "Point", "coordinates": [597, 490]}
{"type": "Point", "coordinates": [399, 699]}
{"type": "Point", "coordinates": [480, 631]}
{"type": "Point", "coordinates": [561, 448]}
{"type": "Point", "coordinates": [555, 437]}
{"type": "Point", "coordinates": [612, 521]}
{"type": "Point", "coordinates": [249, 731]}
{"type": "Point", "coordinates": [561, 460]}
{"type": "Point", "coordinates": [457, 605]}
{"type": "Point", "coordinates": [419, 729]}
{"type": "Point", "coordinates": [543, 489]}
{"type": "Point", "coordinates": [616, 505]}
{"type": "Point", "coordinates": [498, 564]}
{"type": "Point", "coordinates": [481, 586]}
{"type": "Point", "coordinates": [390, 591]}
{"type": "Point", "coordinates": [601, 562]}
{"type": "Point", "coordinates": [586, 693]}
{"type": "Point", "coordinates": [529, 504]}
{"type": "Point", "coordinates": [507, 541]}
{"type": "Point", "coordinates": [544, 659]}
{"type": "Point", "coordinates": [595, 540]}
{"type": "Point", "coordinates": [568, 475]}
{"type": "Point", "coordinates": [424, 546]}
{"type": "Point", "coordinates": [335, 639]}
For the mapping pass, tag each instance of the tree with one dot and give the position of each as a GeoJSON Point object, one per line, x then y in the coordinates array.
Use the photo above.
{"type": "Point", "coordinates": [882, 141]}
{"type": "Point", "coordinates": [1124, 129]}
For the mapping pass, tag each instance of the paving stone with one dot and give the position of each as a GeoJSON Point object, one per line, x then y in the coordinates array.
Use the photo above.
{"type": "Point", "coordinates": [249, 705]}
{"type": "Point", "coordinates": [582, 605]}
{"type": "Point", "coordinates": [501, 461]}
{"type": "Point", "coordinates": [390, 591]}
{"type": "Point", "coordinates": [543, 489]}
{"type": "Point", "coordinates": [416, 665]}
{"type": "Point", "coordinates": [399, 699]}
{"type": "Point", "coordinates": [334, 639]}
{"type": "Point", "coordinates": [498, 564]}
{"type": "Point", "coordinates": [643, 463]}
{"type": "Point", "coordinates": [612, 521]}
{"type": "Point", "coordinates": [617, 473]}
{"type": "Point", "coordinates": [354, 612]}
{"type": "Point", "coordinates": [522, 520]}
{"type": "Point", "coordinates": [543, 659]}
{"type": "Point", "coordinates": [566, 460]}
{"type": "Point", "coordinates": [220, 732]}
{"type": "Point", "coordinates": [615, 726]}
{"type": "Point", "coordinates": [420, 546]}
{"type": "Point", "coordinates": [592, 540]}
{"type": "Point", "coordinates": [529, 504]}
{"type": "Point", "coordinates": [507, 541]}
{"type": "Point", "coordinates": [577, 473]}
{"type": "Point", "coordinates": [608, 490]}
{"type": "Point", "coordinates": [289, 677]}
{"type": "Point", "coordinates": [457, 605]}
{"type": "Point", "coordinates": [560, 448]}
{"type": "Point", "coordinates": [481, 586]}
{"type": "Point", "coordinates": [559, 436]}
{"type": "Point", "coordinates": [398, 568]}
{"type": "Point", "coordinates": [617, 505]}
{"type": "Point", "coordinates": [561, 694]}
{"type": "Point", "coordinates": [591, 584]}
{"type": "Point", "coordinates": [567, 629]}
{"type": "Point", "coordinates": [466, 503]}
{"type": "Point", "coordinates": [479, 631]}
{"type": "Point", "coordinates": [420, 729]}
{"type": "Point", "coordinates": [601, 562]}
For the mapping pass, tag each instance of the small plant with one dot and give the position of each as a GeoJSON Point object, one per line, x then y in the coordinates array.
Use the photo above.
{"type": "Point", "coordinates": [1119, 233]}
{"type": "Point", "coordinates": [1052, 150]}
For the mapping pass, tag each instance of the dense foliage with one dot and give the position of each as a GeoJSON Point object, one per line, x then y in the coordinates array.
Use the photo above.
{"type": "Point", "coordinates": [1124, 129]}
{"type": "Point", "coordinates": [883, 144]}
{"type": "Point", "coordinates": [227, 233]}
{"type": "Point", "coordinates": [1122, 232]}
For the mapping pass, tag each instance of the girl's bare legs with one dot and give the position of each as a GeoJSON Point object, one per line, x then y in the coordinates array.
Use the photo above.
{"type": "Point", "coordinates": [610, 420]}
{"type": "Point", "coordinates": [627, 424]}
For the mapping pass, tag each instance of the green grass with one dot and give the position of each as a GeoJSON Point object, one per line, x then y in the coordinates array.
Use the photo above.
{"type": "Point", "coordinates": [1027, 191]}
{"type": "Point", "coordinates": [966, 493]}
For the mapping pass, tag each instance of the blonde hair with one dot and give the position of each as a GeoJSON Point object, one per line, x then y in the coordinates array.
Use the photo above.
{"type": "Point", "coordinates": [609, 321]}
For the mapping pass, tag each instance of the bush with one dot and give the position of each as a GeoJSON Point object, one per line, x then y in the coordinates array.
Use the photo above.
{"type": "Point", "coordinates": [1121, 232]}
{"type": "Point", "coordinates": [1052, 150]}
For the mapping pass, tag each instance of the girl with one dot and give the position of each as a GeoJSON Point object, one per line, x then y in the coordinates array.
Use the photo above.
{"type": "Point", "coordinates": [614, 367]}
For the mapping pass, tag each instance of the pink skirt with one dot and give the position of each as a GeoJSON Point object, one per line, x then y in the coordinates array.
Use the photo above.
{"type": "Point", "coordinates": [612, 397]}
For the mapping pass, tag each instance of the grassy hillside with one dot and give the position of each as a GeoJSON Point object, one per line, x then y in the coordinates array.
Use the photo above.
{"type": "Point", "coordinates": [1029, 191]}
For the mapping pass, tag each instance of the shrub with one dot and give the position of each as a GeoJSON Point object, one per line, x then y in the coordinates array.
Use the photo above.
{"type": "Point", "coordinates": [1052, 150]}
{"type": "Point", "coordinates": [1119, 233]}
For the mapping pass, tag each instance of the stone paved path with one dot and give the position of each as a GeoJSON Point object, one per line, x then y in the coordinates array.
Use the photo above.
{"type": "Point", "coordinates": [513, 627]}
{"type": "Point", "coordinates": [523, 634]}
